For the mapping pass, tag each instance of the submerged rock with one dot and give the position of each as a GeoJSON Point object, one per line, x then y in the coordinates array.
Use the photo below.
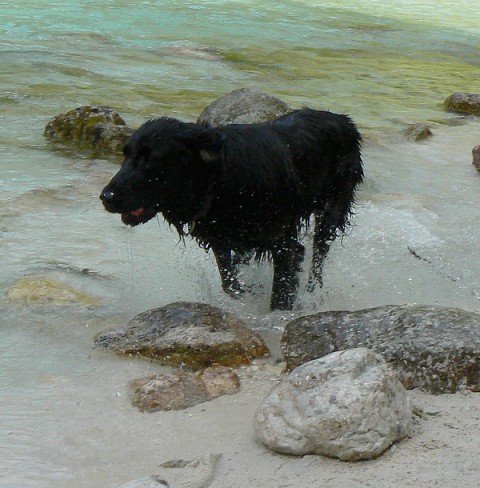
{"type": "Point", "coordinates": [177, 391]}
{"type": "Point", "coordinates": [206, 53]}
{"type": "Point", "coordinates": [98, 131]}
{"type": "Point", "coordinates": [194, 335]}
{"type": "Point", "coordinates": [418, 132]}
{"type": "Point", "coordinates": [243, 106]}
{"type": "Point", "coordinates": [476, 157]}
{"type": "Point", "coordinates": [463, 103]}
{"type": "Point", "coordinates": [348, 404]}
{"type": "Point", "coordinates": [436, 349]}
{"type": "Point", "coordinates": [41, 290]}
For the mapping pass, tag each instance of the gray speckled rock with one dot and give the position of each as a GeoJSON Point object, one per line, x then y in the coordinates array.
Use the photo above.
{"type": "Point", "coordinates": [243, 106]}
{"type": "Point", "coordinates": [436, 349]}
{"type": "Point", "coordinates": [194, 335]}
{"type": "Point", "coordinates": [96, 131]}
{"type": "Point", "coordinates": [348, 404]}
{"type": "Point", "coordinates": [463, 103]}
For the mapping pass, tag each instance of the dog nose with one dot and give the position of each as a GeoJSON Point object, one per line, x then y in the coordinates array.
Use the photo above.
{"type": "Point", "coordinates": [107, 196]}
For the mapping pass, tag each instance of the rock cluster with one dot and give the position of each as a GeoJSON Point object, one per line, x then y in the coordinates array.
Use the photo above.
{"type": "Point", "coordinates": [436, 349]}
{"type": "Point", "coordinates": [193, 336]}
{"type": "Point", "coordinates": [101, 132]}
{"type": "Point", "coordinates": [348, 405]}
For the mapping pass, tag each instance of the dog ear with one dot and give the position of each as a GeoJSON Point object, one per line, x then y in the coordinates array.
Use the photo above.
{"type": "Point", "coordinates": [210, 146]}
{"type": "Point", "coordinates": [207, 142]}
{"type": "Point", "coordinates": [209, 156]}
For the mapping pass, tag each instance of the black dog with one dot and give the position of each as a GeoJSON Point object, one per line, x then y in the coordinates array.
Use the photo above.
{"type": "Point", "coordinates": [238, 188]}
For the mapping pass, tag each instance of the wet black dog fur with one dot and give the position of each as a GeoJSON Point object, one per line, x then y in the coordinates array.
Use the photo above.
{"type": "Point", "coordinates": [242, 188]}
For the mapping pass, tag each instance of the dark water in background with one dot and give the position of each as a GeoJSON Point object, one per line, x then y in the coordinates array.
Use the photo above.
{"type": "Point", "coordinates": [387, 64]}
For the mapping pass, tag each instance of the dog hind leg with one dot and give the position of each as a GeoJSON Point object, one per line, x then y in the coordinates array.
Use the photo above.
{"type": "Point", "coordinates": [329, 223]}
{"type": "Point", "coordinates": [323, 235]}
{"type": "Point", "coordinates": [287, 259]}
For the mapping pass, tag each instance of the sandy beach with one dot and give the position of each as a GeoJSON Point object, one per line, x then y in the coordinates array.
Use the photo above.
{"type": "Point", "coordinates": [442, 450]}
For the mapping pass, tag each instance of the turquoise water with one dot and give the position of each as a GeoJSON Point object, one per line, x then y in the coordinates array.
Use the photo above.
{"type": "Point", "coordinates": [380, 63]}
{"type": "Point", "coordinates": [387, 64]}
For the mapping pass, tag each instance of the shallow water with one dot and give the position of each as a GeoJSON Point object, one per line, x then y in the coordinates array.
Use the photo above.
{"type": "Point", "coordinates": [414, 239]}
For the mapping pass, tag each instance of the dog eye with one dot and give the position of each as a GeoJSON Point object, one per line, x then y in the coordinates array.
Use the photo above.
{"type": "Point", "coordinates": [151, 169]}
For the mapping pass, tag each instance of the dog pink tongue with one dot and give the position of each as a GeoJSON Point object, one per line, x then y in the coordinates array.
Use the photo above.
{"type": "Point", "coordinates": [137, 212]}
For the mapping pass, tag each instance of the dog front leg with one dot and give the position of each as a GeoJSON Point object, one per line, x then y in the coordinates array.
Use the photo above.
{"type": "Point", "coordinates": [228, 272]}
{"type": "Point", "coordinates": [287, 259]}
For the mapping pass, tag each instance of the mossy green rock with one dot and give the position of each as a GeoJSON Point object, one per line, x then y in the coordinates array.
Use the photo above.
{"type": "Point", "coordinates": [192, 335]}
{"type": "Point", "coordinates": [436, 349]}
{"type": "Point", "coordinates": [463, 103]}
{"type": "Point", "coordinates": [243, 106]}
{"type": "Point", "coordinates": [96, 131]}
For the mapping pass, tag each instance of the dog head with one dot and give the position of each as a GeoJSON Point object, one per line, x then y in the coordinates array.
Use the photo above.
{"type": "Point", "coordinates": [166, 169]}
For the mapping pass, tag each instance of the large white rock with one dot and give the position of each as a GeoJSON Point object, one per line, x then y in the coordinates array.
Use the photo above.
{"type": "Point", "coordinates": [348, 404]}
